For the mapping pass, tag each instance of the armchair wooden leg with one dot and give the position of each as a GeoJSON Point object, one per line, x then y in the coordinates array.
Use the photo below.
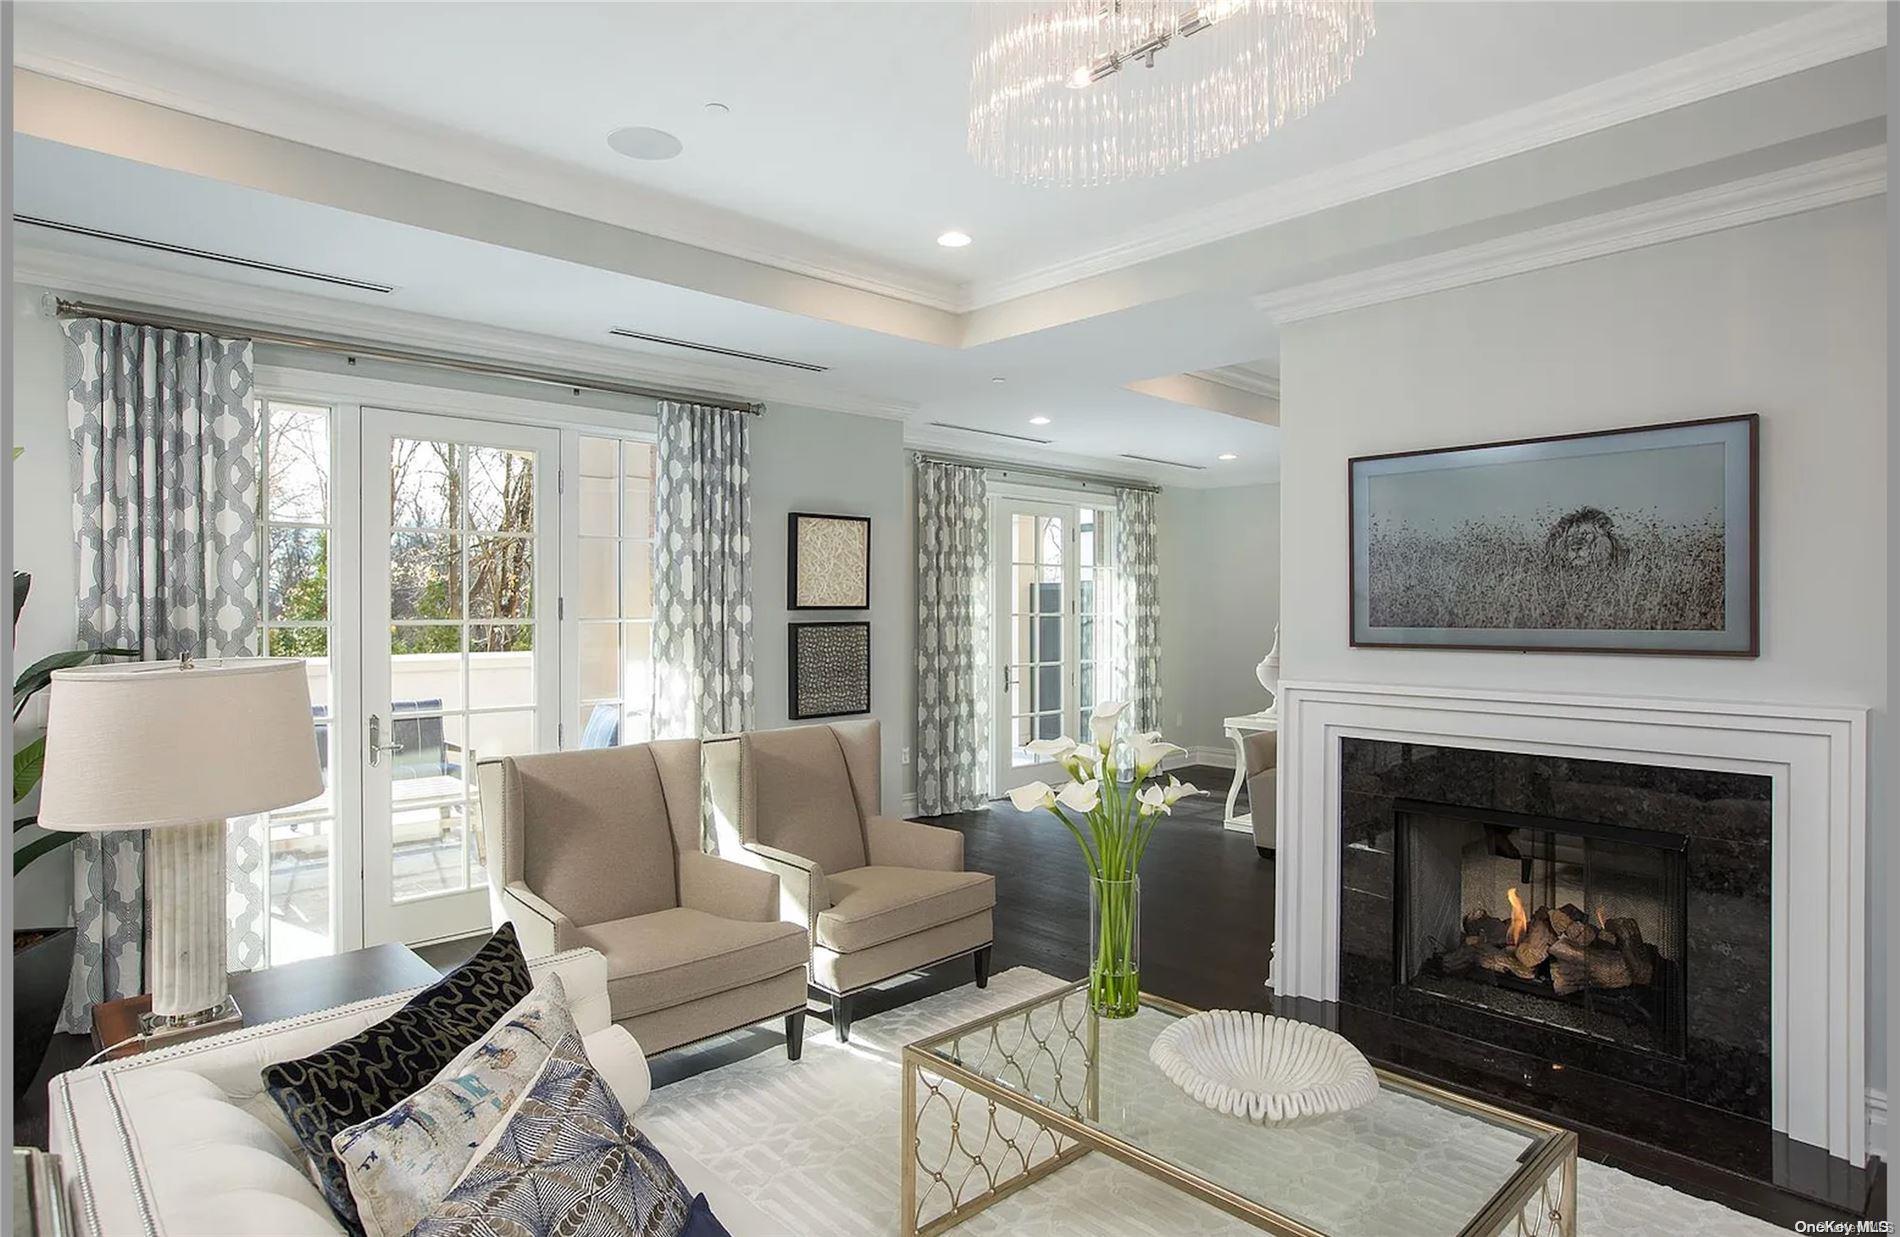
{"type": "Point", "coordinates": [983, 967]}
{"type": "Point", "coordinates": [841, 1017]}
{"type": "Point", "coordinates": [794, 1034]}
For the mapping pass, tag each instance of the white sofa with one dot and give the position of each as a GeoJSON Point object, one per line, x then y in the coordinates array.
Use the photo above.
{"type": "Point", "coordinates": [183, 1141]}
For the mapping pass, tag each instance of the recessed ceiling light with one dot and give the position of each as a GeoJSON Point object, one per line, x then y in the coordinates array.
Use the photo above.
{"type": "Point", "coordinates": [640, 142]}
{"type": "Point", "coordinates": [1039, 420]}
{"type": "Point", "coordinates": [954, 239]}
{"type": "Point", "coordinates": [717, 108]}
{"type": "Point", "coordinates": [1227, 455]}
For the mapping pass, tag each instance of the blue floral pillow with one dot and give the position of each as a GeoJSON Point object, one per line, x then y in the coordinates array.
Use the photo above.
{"type": "Point", "coordinates": [567, 1161]}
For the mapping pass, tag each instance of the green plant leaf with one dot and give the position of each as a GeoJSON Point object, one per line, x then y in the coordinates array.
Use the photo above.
{"type": "Point", "coordinates": [29, 762]}
{"type": "Point", "coordinates": [39, 846]}
{"type": "Point", "coordinates": [40, 673]}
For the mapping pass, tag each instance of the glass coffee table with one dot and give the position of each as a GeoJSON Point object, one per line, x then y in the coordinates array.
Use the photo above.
{"type": "Point", "coordinates": [998, 1103]}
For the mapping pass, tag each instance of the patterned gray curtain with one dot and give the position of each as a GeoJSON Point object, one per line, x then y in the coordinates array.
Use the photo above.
{"type": "Point", "coordinates": [165, 497]}
{"type": "Point", "coordinates": [953, 638]}
{"type": "Point", "coordinates": [702, 572]}
{"type": "Point", "coordinates": [1137, 648]}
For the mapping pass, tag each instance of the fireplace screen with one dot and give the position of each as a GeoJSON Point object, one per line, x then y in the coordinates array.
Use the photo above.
{"type": "Point", "coordinates": [1578, 926]}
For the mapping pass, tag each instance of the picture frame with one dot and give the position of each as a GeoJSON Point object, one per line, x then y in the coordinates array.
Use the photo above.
{"type": "Point", "coordinates": [829, 668]}
{"type": "Point", "coordinates": [1641, 540]}
{"type": "Point", "coordinates": [828, 562]}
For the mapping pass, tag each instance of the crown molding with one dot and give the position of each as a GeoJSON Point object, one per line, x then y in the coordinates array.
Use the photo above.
{"type": "Point", "coordinates": [492, 167]}
{"type": "Point", "coordinates": [1810, 186]}
{"type": "Point", "coordinates": [1244, 378]}
{"type": "Point", "coordinates": [1809, 41]}
{"type": "Point", "coordinates": [150, 287]}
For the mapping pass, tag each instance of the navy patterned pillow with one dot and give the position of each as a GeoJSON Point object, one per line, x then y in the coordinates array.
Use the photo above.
{"type": "Point", "coordinates": [347, 1083]}
{"type": "Point", "coordinates": [568, 1162]}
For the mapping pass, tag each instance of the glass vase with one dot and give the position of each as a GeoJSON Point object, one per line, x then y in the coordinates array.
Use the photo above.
{"type": "Point", "coordinates": [1115, 947]}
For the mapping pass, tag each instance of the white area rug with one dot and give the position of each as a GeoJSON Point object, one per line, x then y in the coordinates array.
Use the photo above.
{"type": "Point", "coordinates": [814, 1143]}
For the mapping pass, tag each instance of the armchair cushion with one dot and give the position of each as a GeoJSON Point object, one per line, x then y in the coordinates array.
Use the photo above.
{"type": "Point", "coordinates": [803, 797]}
{"type": "Point", "coordinates": [872, 905]}
{"type": "Point", "coordinates": [674, 956]}
{"type": "Point", "coordinates": [907, 844]}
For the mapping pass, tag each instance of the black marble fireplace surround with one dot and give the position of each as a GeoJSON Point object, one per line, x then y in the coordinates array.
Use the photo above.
{"type": "Point", "coordinates": [1704, 1041]}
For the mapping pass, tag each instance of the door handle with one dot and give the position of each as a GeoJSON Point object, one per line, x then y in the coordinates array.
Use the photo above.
{"type": "Point", "coordinates": [376, 745]}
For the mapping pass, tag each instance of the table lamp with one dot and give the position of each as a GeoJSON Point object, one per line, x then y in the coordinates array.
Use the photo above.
{"type": "Point", "coordinates": [177, 748]}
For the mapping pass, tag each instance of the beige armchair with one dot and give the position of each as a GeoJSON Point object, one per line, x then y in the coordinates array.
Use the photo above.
{"type": "Point", "coordinates": [1263, 788]}
{"type": "Point", "coordinates": [602, 848]}
{"type": "Point", "coordinates": [879, 896]}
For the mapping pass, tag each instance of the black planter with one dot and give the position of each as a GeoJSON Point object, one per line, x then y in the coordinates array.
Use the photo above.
{"type": "Point", "coordinates": [40, 970]}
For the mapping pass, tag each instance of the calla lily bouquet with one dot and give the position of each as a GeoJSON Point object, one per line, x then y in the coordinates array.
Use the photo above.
{"type": "Point", "coordinates": [1110, 806]}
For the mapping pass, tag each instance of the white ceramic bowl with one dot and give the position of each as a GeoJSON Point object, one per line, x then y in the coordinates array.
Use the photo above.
{"type": "Point", "coordinates": [1268, 1070]}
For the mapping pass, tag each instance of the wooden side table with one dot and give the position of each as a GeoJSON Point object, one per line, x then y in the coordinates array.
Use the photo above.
{"type": "Point", "coordinates": [280, 992]}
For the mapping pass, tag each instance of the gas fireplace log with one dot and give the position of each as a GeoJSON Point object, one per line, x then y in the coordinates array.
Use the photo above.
{"type": "Point", "coordinates": [1572, 925]}
{"type": "Point", "coordinates": [1458, 961]}
{"type": "Point", "coordinates": [1483, 929]}
{"type": "Point", "coordinates": [1504, 962]}
{"type": "Point", "coordinates": [1568, 975]}
{"type": "Point", "coordinates": [1535, 945]}
{"type": "Point", "coordinates": [1637, 957]}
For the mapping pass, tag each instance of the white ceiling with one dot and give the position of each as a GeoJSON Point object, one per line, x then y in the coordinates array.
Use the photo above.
{"type": "Point", "coordinates": [847, 120]}
{"type": "Point", "coordinates": [839, 163]}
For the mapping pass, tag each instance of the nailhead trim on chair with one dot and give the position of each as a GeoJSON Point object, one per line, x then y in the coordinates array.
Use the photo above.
{"type": "Point", "coordinates": [79, 1157]}
{"type": "Point", "coordinates": [131, 1161]}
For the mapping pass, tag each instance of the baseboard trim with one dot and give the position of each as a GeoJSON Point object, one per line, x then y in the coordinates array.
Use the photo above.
{"type": "Point", "coordinates": [1877, 1122]}
{"type": "Point", "coordinates": [1219, 757]}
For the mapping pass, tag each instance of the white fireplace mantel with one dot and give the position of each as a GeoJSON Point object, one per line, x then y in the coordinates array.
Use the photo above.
{"type": "Point", "coordinates": [1815, 756]}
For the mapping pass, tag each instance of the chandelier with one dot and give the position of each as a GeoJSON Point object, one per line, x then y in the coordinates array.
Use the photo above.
{"type": "Point", "coordinates": [1085, 92]}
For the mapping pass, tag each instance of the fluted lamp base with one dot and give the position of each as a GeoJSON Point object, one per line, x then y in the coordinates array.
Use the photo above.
{"type": "Point", "coordinates": [190, 994]}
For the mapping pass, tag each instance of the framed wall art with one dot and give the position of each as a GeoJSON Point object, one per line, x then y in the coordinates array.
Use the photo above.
{"type": "Point", "coordinates": [1622, 541]}
{"type": "Point", "coordinates": [830, 670]}
{"type": "Point", "coordinates": [828, 562]}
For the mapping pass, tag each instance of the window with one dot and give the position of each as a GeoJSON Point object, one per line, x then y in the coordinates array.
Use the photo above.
{"type": "Point", "coordinates": [1095, 586]}
{"type": "Point", "coordinates": [296, 441]}
{"type": "Point", "coordinates": [614, 609]}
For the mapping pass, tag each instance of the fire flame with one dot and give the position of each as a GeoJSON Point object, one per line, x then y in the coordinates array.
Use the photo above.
{"type": "Point", "coordinates": [1600, 924]}
{"type": "Point", "coordinates": [1519, 921]}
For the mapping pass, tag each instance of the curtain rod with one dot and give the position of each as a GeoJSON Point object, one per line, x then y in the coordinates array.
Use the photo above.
{"type": "Point", "coordinates": [342, 346]}
{"type": "Point", "coordinates": [1029, 470]}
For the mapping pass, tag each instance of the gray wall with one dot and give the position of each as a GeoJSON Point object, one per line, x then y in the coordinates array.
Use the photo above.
{"type": "Point", "coordinates": [1220, 597]}
{"type": "Point", "coordinates": [835, 464]}
{"type": "Point", "coordinates": [42, 531]}
{"type": "Point", "coordinates": [1787, 318]}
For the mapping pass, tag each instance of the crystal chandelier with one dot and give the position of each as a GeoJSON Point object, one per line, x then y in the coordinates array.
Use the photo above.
{"type": "Point", "coordinates": [1086, 92]}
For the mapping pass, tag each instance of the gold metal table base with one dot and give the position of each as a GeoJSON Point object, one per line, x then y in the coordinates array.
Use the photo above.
{"type": "Point", "coordinates": [994, 1139]}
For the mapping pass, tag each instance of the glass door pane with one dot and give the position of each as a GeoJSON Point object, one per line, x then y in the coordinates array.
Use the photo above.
{"type": "Point", "coordinates": [460, 580]}
{"type": "Point", "coordinates": [1035, 575]}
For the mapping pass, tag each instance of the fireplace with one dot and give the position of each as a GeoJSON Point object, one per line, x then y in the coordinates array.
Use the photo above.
{"type": "Point", "coordinates": [1567, 914]}
{"type": "Point", "coordinates": [1575, 925]}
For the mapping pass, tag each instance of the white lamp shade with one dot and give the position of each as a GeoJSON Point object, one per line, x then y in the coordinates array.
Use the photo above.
{"type": "Point", "coordinates": [150, 744]}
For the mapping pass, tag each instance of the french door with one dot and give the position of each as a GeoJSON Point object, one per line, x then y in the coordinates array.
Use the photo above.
{"type": "Point", "coordinates": [1053, 583]}
{"type": "Point", "coordinates": [460, 660]}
